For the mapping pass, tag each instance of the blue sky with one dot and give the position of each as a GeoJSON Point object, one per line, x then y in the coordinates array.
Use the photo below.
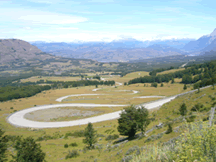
{"type": "Point", "coordinates": [105, 20]}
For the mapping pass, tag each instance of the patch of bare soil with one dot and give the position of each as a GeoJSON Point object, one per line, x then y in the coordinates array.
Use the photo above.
{"type": "Point", "coordinates": [60, 114]}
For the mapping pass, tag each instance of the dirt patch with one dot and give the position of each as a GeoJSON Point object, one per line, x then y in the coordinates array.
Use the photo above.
{"type": "Point", "coordinates": [60, 114]}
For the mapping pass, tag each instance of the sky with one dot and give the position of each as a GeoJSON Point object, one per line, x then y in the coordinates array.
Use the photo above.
{"type": "Point", "coordinates": [105, 20]}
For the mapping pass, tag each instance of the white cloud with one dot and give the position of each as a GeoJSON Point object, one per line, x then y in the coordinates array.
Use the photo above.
{"type": "Point", "coordinates": [37, 17]}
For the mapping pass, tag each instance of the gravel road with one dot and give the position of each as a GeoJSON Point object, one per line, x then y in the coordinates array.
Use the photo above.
{"type": "Point", "coordinates": [18, 119]}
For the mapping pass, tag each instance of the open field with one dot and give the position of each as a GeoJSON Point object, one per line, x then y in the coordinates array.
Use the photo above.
{"type": "Point", "coordinates": [127, 77]}
{"type": "Point", "coordinates": [170, 71]}
{"type": "Point", "coordinates": [51, 78]}
{"type": "Point", "coordinates": [54, 148]}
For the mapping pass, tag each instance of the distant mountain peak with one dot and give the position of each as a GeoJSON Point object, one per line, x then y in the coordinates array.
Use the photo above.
{"type": "Point", "coordinates": [213, 33]}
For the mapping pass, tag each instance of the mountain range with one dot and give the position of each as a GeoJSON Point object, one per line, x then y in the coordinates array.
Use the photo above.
{"type": "Point", "coordinates": [130, 49]}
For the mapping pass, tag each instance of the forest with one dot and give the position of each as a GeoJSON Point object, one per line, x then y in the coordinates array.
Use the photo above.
{"type": "Point", "coordinates": [204, 74]}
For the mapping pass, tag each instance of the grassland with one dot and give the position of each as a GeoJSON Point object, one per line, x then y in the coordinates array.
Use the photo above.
{"type": "Point", "coordinates": [170, 71]}
{"type": "Point", "coordinates": [51, 78]}
{"type": "Point", "coordinates": [54, 148]}
{"type": "Point", "coordinates": [127, 77]}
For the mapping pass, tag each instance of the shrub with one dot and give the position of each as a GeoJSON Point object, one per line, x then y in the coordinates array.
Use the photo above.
{"type": "Point", "coordinates": [197, 143]}
{"type": "Point", "coordinates": [131, 150]}
{"type": "Point", "coordinates": [75, 134]}
{"type": "Point", "coordinates": [169, 130]}
{"type": "Point", "coordinates": [191, 118]}
{"type": "Point", "coordinates": [197, 107]}
{"type": "Point", "coordinates": [112, 137]}
{"type": "Point", "coordinates": [154, 85]}
{"type": "Point", "coordinates": [74, 144]}
{"type": "Point", "coordinates": [72, 154]}
{"type": "Point", "coordinates": [66, 145]}
{"type": "Point", "coordinates": [185, 87]}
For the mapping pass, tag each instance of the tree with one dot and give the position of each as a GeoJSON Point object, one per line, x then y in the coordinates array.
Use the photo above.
{"type": "Point", "coordinates": [132, 120]}
{"type": "Point", "coordinates": [3, 146]}
{"type": "Point", "coordinates": [28, 150]}
{"type": "Point", "coordinates": [90, 135]}
{"type": "Point", "coordinates": [142, 119]}
{"type": "Point", "coordinates": [185, 87]}
{"type": "Point", "coordinates": [183, 109]}
{"type": "Point", "coordinates": [173, 81]}
{"type": "Point", "coordinates": [127, 122]}
{"type": "Point", "coordinates": [162, 84]}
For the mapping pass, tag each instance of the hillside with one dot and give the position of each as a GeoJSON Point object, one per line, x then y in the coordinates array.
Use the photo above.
{"type": "Point", "coordinates": [14, 50]}
{"type": "Point", "coordinates": [20, 55]}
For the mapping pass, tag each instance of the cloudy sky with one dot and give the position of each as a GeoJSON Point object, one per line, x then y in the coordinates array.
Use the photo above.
{"type": "Point", "coordinates": [105, 20]}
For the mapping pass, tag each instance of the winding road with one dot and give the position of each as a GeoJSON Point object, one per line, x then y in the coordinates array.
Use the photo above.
{"type": "Point", "coordinates": [17, 118]}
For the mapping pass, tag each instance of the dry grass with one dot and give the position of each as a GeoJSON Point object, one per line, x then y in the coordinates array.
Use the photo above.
{"type": "Point", "coordinates": [52, 78]}
{"type": "Point", "coordinates": [170, 71]}
{"type": "Point", "coordinates": [55, 150]}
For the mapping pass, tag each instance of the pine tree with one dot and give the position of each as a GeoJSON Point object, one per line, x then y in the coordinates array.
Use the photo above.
{"type": "Point", "coordinates": [183, 109]}
{"type": "Point", "coordinates": [90, 135]}
{"type": "Point", "coordinates": [28, 150]}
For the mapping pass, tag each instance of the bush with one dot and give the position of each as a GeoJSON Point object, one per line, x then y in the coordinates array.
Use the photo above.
{"type": "Point", "coordinates": [75, 134]}
{"type": "Point", "coordinates": [66, 145]}
{"type": "Point", "coordinates": [72, 154]}
{"type": "Point", "coordinates": [131, 150]}
{"type": "Point", "coordinates": [154, 85]}
{"type": "Point", "coordinates": [185, 87]}
{"type": "Point", "coordinates": [191, 118]}
{"type": "Point", "coordinates": [197, 143]}
{"type": "Point", "coordinates": [112, 137]}
{"type": "Point", "coordinates": [169, 130]}
{"type": "Point", "coordinates": [197, 107]}
{"type": "Point", "coordinates": [74, 144]}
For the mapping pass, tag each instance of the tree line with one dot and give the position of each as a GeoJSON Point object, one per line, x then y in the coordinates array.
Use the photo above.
{"type": "Point", "coordinates": [62, 84]}
{"type": "Point", "coordinates": [201, 72]}
{"type": "Point", "coordinates": [9, 92]}
{"type": "Point", "coordinates": [29, 89]}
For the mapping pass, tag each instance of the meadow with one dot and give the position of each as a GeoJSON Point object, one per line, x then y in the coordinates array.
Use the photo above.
{"type": "Point", "coordinates": [52, 140]}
